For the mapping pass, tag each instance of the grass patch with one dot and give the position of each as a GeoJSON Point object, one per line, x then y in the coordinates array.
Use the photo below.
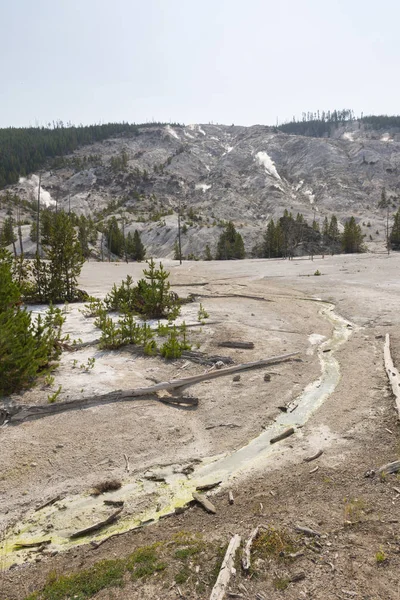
{"type": "Point", "coordinates": [183, 575]}
{"type": "Point", "coordinates": [273, 543]}
{"type": "Point", "coordinates": [166, 562]}
{"type": "Point", "coordinates": [107, 573]}
{"type": "Point", "coordinates": [104, 574]}
{"type": "Point", "coordinates": [280, 583]}
{"type": "Point", "coordinates": [144, 562]}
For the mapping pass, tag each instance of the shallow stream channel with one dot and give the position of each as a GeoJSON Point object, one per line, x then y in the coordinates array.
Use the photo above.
{"type": "Point", "coordinates": [159, 493]}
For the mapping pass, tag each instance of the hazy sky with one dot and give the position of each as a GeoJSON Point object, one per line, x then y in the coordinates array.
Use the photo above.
{"type": "Point", "coordinates": [226, 61]}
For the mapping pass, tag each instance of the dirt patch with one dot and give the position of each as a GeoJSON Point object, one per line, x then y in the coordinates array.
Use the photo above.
{"type": "Point", "coordinates": [356, 428]}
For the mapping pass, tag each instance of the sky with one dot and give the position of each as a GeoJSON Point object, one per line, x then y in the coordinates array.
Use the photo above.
{"type": "Point", "coordinates": [203, 61]}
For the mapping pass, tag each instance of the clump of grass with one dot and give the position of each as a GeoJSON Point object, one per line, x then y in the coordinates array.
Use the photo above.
{"type": "Point", "coordinates": [380, 557]}
{"type": "Point", "coordinates": [110, 485]}
{"type": "Point", "coordinates": [144, 562]}
{"type": "Point", "coordinates": [104, 574]}
{"type": "Point", "coordinates": [353, 510]}
{"type": "Point", "coordinates": [317, 273]}
{"type": "Point", "coordinates": [280, 583]}
{"type": "Point", "coordinates": [183, 575]}
{"type": "Point", "coordinates": [273, 543]}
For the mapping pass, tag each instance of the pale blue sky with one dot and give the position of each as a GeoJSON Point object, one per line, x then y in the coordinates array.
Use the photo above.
{"type": "Point", "coordinates": [226, 61]}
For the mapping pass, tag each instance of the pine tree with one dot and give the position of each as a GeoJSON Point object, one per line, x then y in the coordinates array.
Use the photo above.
{"type": "Point", "coordinates": [114, 237]}
{"type": "Point", "coordinates": [352, 237]}
{"type": "Point", "coordinates": [230, 244]}
{"type": "Point", "coordinates": [177, 253]}
{"type": "Point", "coordinates": [325, 230]}
{"type": "Point", "coordinates": [56, 278]}
{"type": "Point", "coordinates": [395, 232]}
{"type": "Point", "coordinates": [7, 235]}
{"type": "Point", "coordinates": [333, 230]}
{"type": "Point", "coordinates": [207, 253]}
{"type": "Point", "coordinates": [383, 203]}
{"type": "Point", "coordinates": [138, 251]}
{"type": "Point", "coordinates": [25, 348]}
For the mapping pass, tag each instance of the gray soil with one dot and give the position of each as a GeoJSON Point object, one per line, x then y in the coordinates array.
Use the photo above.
{"type": "Point", "coordinates": [356, 427]}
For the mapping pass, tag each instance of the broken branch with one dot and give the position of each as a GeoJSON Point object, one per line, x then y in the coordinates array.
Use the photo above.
{"type": "Point", "coordinates": [220, 587]}
{"type": "Point", "coordinates": [246, 560]}
{"type": "Point", "coordinates": [392, 373]}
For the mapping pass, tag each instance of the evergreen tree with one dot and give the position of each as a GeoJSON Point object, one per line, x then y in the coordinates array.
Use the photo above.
{"type": "Point", "coordinates": [315, 225]}
{"type": "Point", "coordinates": [352, 238]}
{"type": "Point", "coordinates": [325, 230]}
{"type": "Point", "coordinates": [33, 232]}
{"type": "Point", "coordinates": [25, 347]}
{"type": "Point", "coordinates": [230, 244]}
{"type": "Point", "coordinates": [7, 235]}
{"type": "Point", "coordinates": [137, 250]}
{"type": "Point", "coordinates": [65, 257]}
{"type": "Point", "coordinates": [395, 232]}
{"type": "Point", "coordinates": [384, 202]}
{"type": "Point", "coordinates": [207, 253]}
{"type": "Point", "coordinates": [333, 230]}
{"type": "Point", "coordinates": [114, 237]}
{"type": "Point", "coordinates": [177, 253]}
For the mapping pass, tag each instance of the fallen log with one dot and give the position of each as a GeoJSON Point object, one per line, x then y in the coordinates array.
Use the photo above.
{"type": "Point", "coordinates": [314, 456]}
{"type": "Point", "coordinates": [20, 412]}
{"type": "Point", "coordinates": [307, 531]}
{"type": "Point", "coordinates": [22, 545]}
{"type": "Point", "coordinates": [246, 559]}
{"type": "Point", "coordinates": [49, 502]}
{"type": "Point", "coordinates": [390, 468]}
{"type": "Point", "coordinates": [241, 345]}
{"type": "Point", "coordinates": [221, 585]}
{"type": "Point", "coordinates": [206, 504]}
{"type": "Point", "coordinates": [392, 373]}
{"type": "Point", "coordinates": [208, 486]}
{"type": "Point", "coordinates": [282, 435]}
{"type": "Point", "coordinates": [111, 519]}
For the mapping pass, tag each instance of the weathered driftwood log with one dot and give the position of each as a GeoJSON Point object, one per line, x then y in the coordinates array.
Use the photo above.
{"type": "Point", "coordinates": [49, 502]}
{"type": "Point", "coordinates": [307, 531]}
{"type": "Point", "coordinates": [18, 413]}
{"type": "Point", "coordinates": [390, 468]}
{"type": "Point", "coordinates": [282, 435]}
{"type": "Point", "coordinates": [241, 345]}
{"type": "Point", "coordinates": [314, 456]}
{"type": "Point", "coordinates": [21, 545]}
{"type": "Point", "coordinates": [111, 519]}
{"type": "Point", "coordinates": [208, 486]}
{"type": "Point", "coordinates": [204, 502]}
{"type": "Point", "coordinates": [392, 373]}
{"type": "Point", "coordinates": [246, 559]}
{"type": "Point", "coordinates": [221, 585]}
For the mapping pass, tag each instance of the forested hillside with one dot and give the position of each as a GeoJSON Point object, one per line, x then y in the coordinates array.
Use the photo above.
{"type": "Point", "coordinates": [24, 150]}
{"type": "Point", "coordinates": [324, 124]}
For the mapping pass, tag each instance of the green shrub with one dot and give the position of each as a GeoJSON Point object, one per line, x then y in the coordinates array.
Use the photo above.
{"type": "Point", "coordinates": [26, 346]}
{"type": "Point", "coordinates": [150, 298]}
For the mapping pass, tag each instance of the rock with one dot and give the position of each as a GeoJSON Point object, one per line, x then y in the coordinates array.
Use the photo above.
{"type": "Point", "coordinates": [267, 377]}
{"type": "Point", "coordinates": [236, 378]}
{"type": "Point", "coordinates": [219, 364]}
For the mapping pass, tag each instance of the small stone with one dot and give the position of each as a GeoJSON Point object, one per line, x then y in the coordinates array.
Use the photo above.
{"type": "Point", "coordinates": [219, 364]}
{"type": "Point", "coordinates": [60, 446]}
{"type": "Point", "coordinates": [236, 378]}
{"type": "Point", "coordinates": [33, 464]}
{"type": "Point", "coordinates": [267, 377]}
